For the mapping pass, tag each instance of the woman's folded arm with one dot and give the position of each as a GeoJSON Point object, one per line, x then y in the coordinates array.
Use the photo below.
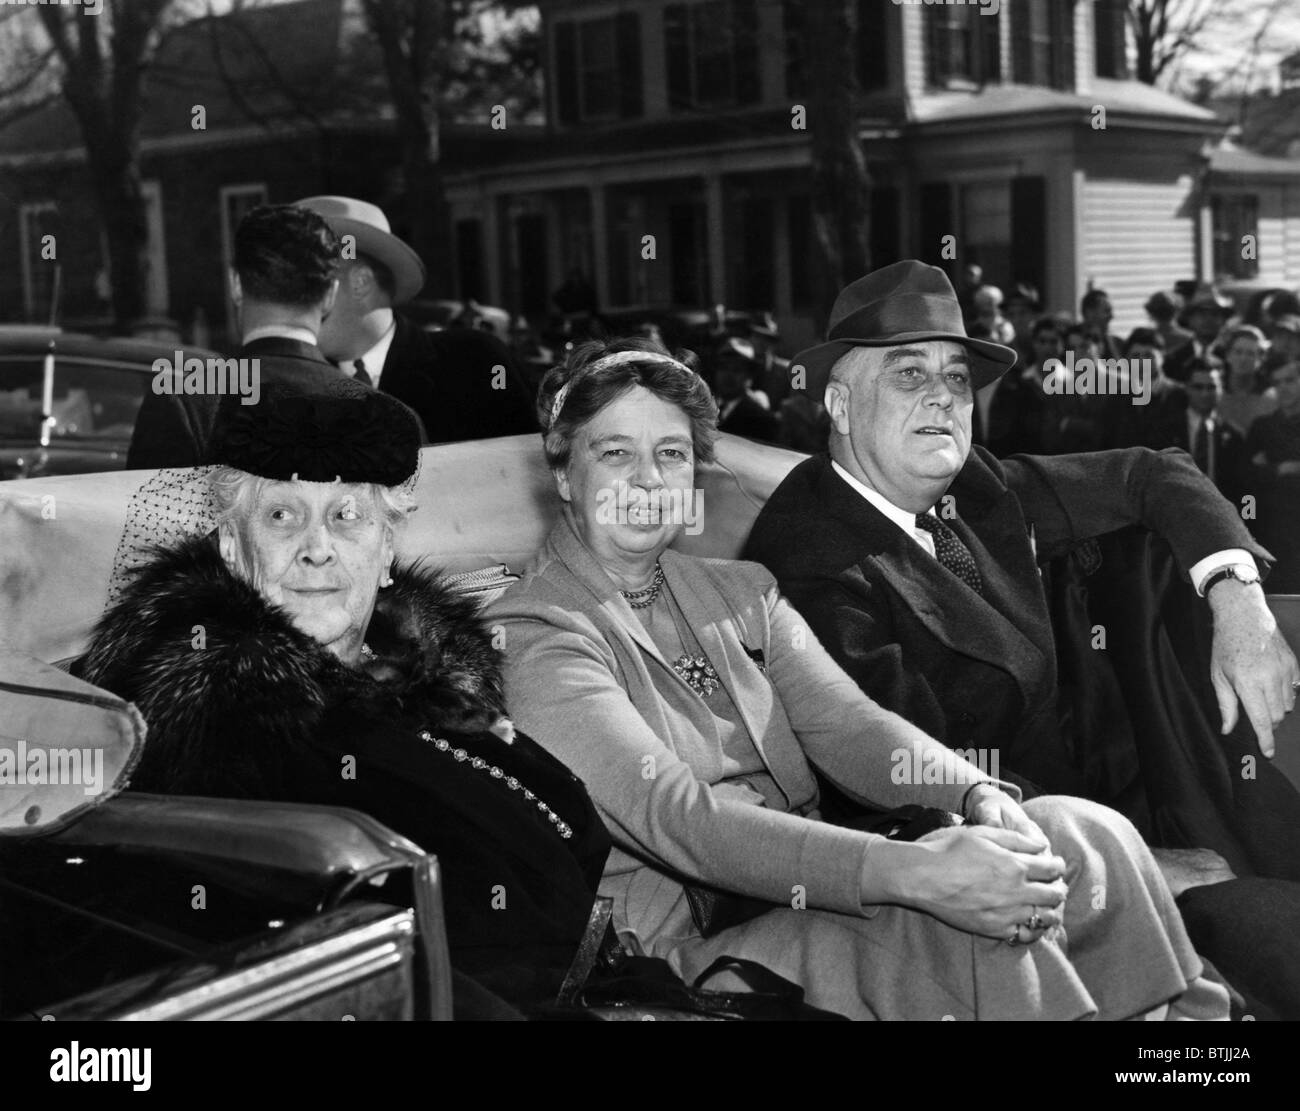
{"type": "Point", "coordinates": [562, 691]}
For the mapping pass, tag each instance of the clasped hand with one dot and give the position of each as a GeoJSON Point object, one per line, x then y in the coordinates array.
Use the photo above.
{"type": "Point", "coordinates": [991, 876]}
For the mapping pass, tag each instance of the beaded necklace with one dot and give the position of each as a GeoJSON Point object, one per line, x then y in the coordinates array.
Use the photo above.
{"type": "Point", "coordinates": [646, 597]}
{"type": "Point", "coordinates": [478, 763]}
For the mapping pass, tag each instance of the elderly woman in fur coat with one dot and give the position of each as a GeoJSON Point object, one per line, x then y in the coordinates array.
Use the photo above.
{"type": "Point", "coordinates": [287, 657]}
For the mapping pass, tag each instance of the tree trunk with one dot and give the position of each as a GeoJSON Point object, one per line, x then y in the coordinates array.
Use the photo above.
{"type": "Point", "coordinates": [409, 38]}
{"type": "Point", "coordinates": [841, 184]}
{"type": "Point", "coordinates": [427, 214]}
{"type": "Point", "coordinates": [101, 83]}
{"type": "Point", "coordinates": [116, 179]}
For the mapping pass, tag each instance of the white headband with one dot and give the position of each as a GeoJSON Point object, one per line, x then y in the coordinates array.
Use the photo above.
{"type": "Point", "coordinates": [616, 359]}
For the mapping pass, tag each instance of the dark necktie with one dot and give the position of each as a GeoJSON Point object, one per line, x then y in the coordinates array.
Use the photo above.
{"type": "Point", "coordinates": [362, 374]}
{"type": "Point", "coordinates": [1201, 447]}
{"type": "Point", "coordinates": [950, 551]}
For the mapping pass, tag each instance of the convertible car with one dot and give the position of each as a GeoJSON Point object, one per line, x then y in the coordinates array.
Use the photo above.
{"type": "Point", "coordinates": [210, 908]}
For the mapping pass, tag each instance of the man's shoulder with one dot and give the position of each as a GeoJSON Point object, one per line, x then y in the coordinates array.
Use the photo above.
{"type": "Point", "coordinates": [450, 346]}
{"type": "Point", "coordinates": [798, 534]}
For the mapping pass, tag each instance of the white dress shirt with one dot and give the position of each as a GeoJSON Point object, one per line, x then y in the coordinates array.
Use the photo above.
{"type": "Point", "coordinates": [282, 331]}
{"type": "Point", "coordinates": [374, 358]}
{"type": "Point", "coordinates": [901, 517]}
{"type": "Point", "coordinates": [906, 521]}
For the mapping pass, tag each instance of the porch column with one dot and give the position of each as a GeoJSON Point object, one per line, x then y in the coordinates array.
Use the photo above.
{"type": "Point", "coordinates": [1204, 233]}
{"type": "Point", "coordinates": [600, 245]}
{"type": "Point", "coordinates": [492, 248]}
{"type": "Point", "coordinates": [716, 231]}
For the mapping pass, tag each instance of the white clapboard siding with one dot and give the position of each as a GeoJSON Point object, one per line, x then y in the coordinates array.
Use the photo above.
{"type": "Point", "coordinates": [1279, 234]}
{"type": "Point", "coordinates": [1291, 245]}
{"type": "Point", "coordinates": [1272, 246]}
{"type": "Point", "coordinates": [1138, 236]}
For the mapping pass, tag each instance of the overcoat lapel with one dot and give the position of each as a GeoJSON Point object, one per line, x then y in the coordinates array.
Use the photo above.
{"type": "Point", "coordinates": [957, 617]}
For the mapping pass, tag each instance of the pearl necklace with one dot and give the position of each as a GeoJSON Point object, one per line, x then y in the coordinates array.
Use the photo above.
{"type": "Point", "coordinates": [646, 597]}
{"type": "Point", "coordinates": [477, 762]}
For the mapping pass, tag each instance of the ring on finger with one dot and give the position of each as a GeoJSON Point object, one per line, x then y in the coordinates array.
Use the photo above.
{"type": "Point", "coordinates": [1014, 939]}
{"type": "Point", "coordinates": [1035, 922]}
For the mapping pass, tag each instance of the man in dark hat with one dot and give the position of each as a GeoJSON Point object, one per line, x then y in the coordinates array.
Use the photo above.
{"type": "Point", "coordinates": [912, 556]}
{"type": "Point", "coordinates": [1206, 313]}
{"type": "Point", "coordinates": [283, 284]}
{"type": "Point", "coordinates": [923, 580]}
{"type": "Point", "coordinates": [462, 382]}
{"type": "Point", "coordinates": [1162, 308]}
{"type": "Point", "coordinates": [733, 364]}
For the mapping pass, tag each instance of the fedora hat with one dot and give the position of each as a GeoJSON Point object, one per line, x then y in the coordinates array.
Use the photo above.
{"type": "Point", "coordinates": [908, 302]}
{"type": "Point", "coordinates": [1205, 296]}
{"type": "Point", "coordinates": [368, 226]}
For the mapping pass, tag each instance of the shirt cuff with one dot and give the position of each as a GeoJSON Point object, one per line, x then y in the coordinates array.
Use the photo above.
{"type": "Point", "coordinates": [1229, 557]}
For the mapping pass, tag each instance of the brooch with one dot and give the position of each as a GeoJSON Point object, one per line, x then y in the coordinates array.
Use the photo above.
{"type": "Point", "coordinates": [699, 674]}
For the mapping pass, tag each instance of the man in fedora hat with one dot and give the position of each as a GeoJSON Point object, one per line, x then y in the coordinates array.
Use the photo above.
{"type": "Point", "coordinates": [733, 364]}
{"type": "Point", "coordinates": [462, 382]}
{"type": "Point", "coordinates": [1206, 313]}
{"type": "Point", "coordinates": [283, 284]}
{"type": "Point", "coordinates": [914, 558]}
{"type": "Point", "coordinates": [922, 578]}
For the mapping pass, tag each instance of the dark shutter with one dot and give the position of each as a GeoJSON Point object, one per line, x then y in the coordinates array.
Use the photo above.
{"type": "Point", "coordinates": [885, 247]}
{"type": "Point", "coordinates": [1022, 48]}
{"type": "Point", "coordinates": [792, 23]}
{"type": "Point", "coordinates": [756, 287]}
{"type": "Point", "coordinates": [935, 200]}
{"type": "Point", "coordinates": [677, 57]}
{"type": "Point", "coordinates": [1062, 29]}
{"type": "Point", "coordinates": [938, 65]}
{"type": "Point", "coordinates": [566, 71]}
{"type": "Point", "coordinates": [469, 260]}
{"type": "Point", "coordinates": [1110, 38]}
{"type": "Point", "coordinates": [1029, 231]}
{"type": "Point", "coordinates": [627, 29]}
{"type": "Point", "coordinates": [803, 249]}
{"type": "Point", "coordinates": [744, 32]}
{"type": "Point", "coordinates": [989, 44]}
{"type": "Point", "coordinates": [873, 45]}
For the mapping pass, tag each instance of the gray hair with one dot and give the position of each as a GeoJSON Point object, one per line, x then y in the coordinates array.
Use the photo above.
{"type": "Point", "coordinates": [236, 492]}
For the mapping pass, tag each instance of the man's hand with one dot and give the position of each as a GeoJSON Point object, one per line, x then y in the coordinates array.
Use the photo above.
{"type": "Point", "coordinates": [1250, 661]}
{"type": "Point", "coordinates": [1184, 868]}
{"type": "Point", "coordinates": [995, 808]}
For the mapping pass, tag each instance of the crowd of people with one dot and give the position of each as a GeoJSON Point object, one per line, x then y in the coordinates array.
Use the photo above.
{"type": "Point", "coordinates": [693, 763]}
{"type": "Point", "coordinates": [1198, 376]}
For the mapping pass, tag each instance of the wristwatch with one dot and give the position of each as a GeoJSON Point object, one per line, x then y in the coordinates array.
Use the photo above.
{"type": "Point", "coordinates": [1241, 572]}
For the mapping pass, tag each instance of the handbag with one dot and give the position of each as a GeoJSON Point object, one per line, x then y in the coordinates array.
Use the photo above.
{"type": "Point", "coordinates": [714, 910]}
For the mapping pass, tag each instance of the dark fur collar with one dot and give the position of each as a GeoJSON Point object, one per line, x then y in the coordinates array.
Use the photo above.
{"type": "Point", "coordinates": [213, 667]}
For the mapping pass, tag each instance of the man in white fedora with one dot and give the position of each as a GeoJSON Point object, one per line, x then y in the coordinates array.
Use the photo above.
{"type": "Point", "coordinates": [461, 382]}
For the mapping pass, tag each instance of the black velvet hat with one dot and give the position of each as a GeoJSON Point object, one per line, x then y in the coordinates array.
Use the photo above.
{"type": "Point", "coordinates": [337, 430]}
